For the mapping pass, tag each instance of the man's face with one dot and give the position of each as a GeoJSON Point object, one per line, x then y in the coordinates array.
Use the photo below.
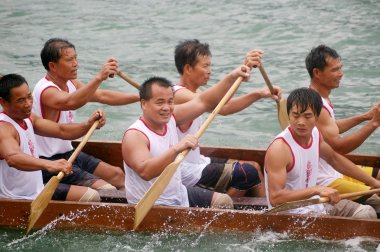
{"type": "Point", "coordinates": [159, 108]}
{"type": "Point", "coordinates": [201, 72]}
{"type": "Point", "coordinates": [332, 73]}
{"type": "Point", "coordinates": [20, 105]}
{"type": "Point", "coordinates": [67, 66]}
{"type": "Point", "coordinates": [302, 124]}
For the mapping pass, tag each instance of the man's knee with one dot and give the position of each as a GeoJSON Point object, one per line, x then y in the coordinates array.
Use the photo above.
{"type": "Point", "coordinates": [365, 212]}
{"type": "Point", "coordinates": [90, 195]}
{"type": "Point", "coordinates": [223, 201]}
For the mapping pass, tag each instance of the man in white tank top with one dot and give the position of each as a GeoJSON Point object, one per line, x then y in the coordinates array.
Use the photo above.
{"type": "Point", "coordinates": [325, 69]}
{"type": "Point", "coordinates": [60, 93]}
{"type": "Point", "coordinates": [292, 160]}
{"type": "Point", "coordinates": [193, 63]}
{"type": "Point", "coordinates": [20, 166]}
{"type": "Point", "coordinates": [151, 143]}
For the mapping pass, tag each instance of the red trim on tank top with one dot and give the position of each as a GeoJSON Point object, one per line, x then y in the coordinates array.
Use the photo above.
{"type": "Point", "coordinates": [146, 125]}
{"type": "Point", "coordinates": [42, 108]}
{"type": "Point", "coordinates": [304, 147]}
{"type": "Point", "coordinates": [140, 132]}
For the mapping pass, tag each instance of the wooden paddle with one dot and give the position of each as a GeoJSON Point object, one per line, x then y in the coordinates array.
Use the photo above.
{"type": "Point", "coordinates": [129, 80]}
{"type": "Point", "coordinates": [42, 200]}
{"type": "Point", "coordinates": [147, 202]}
{"type": "Point", "coordinates": [281, 105]}
{"type": "Point", "coordinates": [307, 202]}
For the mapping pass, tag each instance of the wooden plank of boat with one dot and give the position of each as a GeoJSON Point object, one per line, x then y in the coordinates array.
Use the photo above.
{"type": "Point", "coordinates": [110, 152]}
{"type": "Point", "coordinates": [116, 216]}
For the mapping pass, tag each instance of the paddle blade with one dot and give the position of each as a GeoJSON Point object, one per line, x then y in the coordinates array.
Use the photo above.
{"type": "Point", "coordinates": [283, 118]}
{"type": "Point", "coordinates": [150, 197]}
{"type": "Point", "coordinates": [295, 204]}
{"type": "Point", "coordinates": [41, 201]}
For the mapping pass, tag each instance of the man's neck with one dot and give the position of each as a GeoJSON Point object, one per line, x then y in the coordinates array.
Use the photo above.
{"type": "Point", "coordinates": [56, 80]}
{"type": "Point", "coordinates": [324, 92]}
{"type": "Point", "coordinates": [187, 83]}
{"type": "Point", "coordinates": [158, 128]}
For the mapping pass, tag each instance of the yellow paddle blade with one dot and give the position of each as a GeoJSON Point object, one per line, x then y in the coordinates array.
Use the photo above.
{"type": "Point", "coordinates": [41, 201]}
{"type": "Point", "coordinates": [283, 118]}
{"type": "Point", "coordinates": [150, 197]}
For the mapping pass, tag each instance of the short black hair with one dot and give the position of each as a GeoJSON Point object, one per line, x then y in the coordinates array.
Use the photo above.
{"type": "Point", "coordinates": [52, 50]}
{"type": "Point", "coordinates": [9, 81]}
{"type": "Point", "coordinates": [187, 51]}
{"type": "Point", "coordinates": [317, 58]}
{"type": "Point", "coordinates": [305, 98]}
{"type": "Point", "coordinates": [145, 90]}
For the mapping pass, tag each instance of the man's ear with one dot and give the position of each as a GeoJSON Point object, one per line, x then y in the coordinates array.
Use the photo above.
{"type": "Point", "coordinates": [3, 102]}
{"type": "Point", "coordinates": [52, 66]}
{"type": "Point", "coordinates": [316, 72]}
{"type": "Point", "coordinates": [187, 68]}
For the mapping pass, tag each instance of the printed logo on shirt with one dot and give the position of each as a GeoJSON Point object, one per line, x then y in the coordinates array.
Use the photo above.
{"type": "Point", "coordinates": [31, 146]}
{"type": "Point", "coordinates": [309, 168]}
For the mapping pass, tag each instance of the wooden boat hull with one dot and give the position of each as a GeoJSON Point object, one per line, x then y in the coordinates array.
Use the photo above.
{"type": "Point", "coordinates": [110, 152]}
{"type": "Point", "coordinates": [116, 216]}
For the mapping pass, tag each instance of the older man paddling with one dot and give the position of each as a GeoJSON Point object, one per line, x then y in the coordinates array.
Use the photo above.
{"type": "Point", "coordinates": [60, 93]}
{"type": "Point", "coordinates": [292, 160]}
{"type": "Point", "coordinates": [151, 143]}
{"type": "Point", "coordinates": [20, 165]}
{"type": "Point", "coordinates": [193, 62]}
{"type": "Point", "coordinates": [325, 69]}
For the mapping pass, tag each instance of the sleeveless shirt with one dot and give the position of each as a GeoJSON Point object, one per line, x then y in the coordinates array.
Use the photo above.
{"type": "Point", "coordinates": [175, 194]}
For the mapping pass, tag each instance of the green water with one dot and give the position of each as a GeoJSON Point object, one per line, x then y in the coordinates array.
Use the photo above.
{"type": "Point", "coordinates": [142, 34]}
{"type": "Point", "coordinates": [14, 240]}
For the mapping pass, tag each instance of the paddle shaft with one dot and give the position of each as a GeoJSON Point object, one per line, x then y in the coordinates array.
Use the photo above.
{"type": "Point", "coordinates": [129, 80]}
{"type": "Point", "coordinates": [154, 192]}
{"type": "Point", "coordinates": [266, 79]}
{"type": "Point", "coordinates": [80, 147]}
{"type": "Point", "coordinates": [307, 202]}
{"type": "Point", "coordinates": [351, 195]}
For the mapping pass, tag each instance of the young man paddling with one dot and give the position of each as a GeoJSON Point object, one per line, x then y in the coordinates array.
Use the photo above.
{"type": "Point", "coordinates": [325, 69]}
{"type": "Point", "coordinates": [60, 93]}
{"type": "Point", "coordinates": [193, 63]}
{"type": "Point", "coordinates": [292, 160]}
{"type": "Point", "coordinates": [152, 143]}
{"type": "Point", "coordinates": [20, 165]}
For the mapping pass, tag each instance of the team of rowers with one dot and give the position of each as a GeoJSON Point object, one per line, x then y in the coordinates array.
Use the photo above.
{"type": "Point", "coordinates": [305, 160]}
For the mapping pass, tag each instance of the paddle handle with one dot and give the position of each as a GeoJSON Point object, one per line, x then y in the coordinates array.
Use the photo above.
{"type": "Point", "coordinates": [266, 79]}
{"type": "Point", "coordinates": [351, 195]}
{"type": "Point", "coordinates": [217, 109]}
{"type": "Point", "coordinates": [80, 146]}
{"type": "Point", "coordinates": [129, 80]}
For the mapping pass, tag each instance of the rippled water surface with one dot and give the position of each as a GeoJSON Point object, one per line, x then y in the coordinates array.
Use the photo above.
{"type": "Point", "coordinates": [142, 34]}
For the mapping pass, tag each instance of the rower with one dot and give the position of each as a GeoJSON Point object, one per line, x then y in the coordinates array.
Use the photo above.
{"type": "Point", "coordinates": [20, 165]}
{"type": "Point", "coordinates": [325, 69]}
{"type": "Point", "coordinates": [151, 143]}
{"type": "Point", "coordinates": [292, 160]}
{"type": "Point", "coordinates": [193, 63]}
{"type": "Point", "coordinates": [60, 93]}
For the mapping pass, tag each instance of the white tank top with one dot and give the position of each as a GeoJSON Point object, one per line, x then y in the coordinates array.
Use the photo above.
{"type": "Point", "coordinates": [49, 146]}
{"type": "Point", "coordinates": [327, 174]}
{"type": "Point", "coordinates": [175, 194]}
{"type": "Point", "coordinates": [14, 183]}
{"type": "Point", "coordinates": [194, 163]}
{"type": "Point", "coordinates": [304, 170]}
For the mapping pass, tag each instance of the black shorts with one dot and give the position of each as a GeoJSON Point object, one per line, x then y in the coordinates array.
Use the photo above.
{"type": "Point", "coordinates": [199, 197]}
{"type": "Point", "coordinates": [61, 192]}
{"type": "Point", "coordinates": [83, 167]}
